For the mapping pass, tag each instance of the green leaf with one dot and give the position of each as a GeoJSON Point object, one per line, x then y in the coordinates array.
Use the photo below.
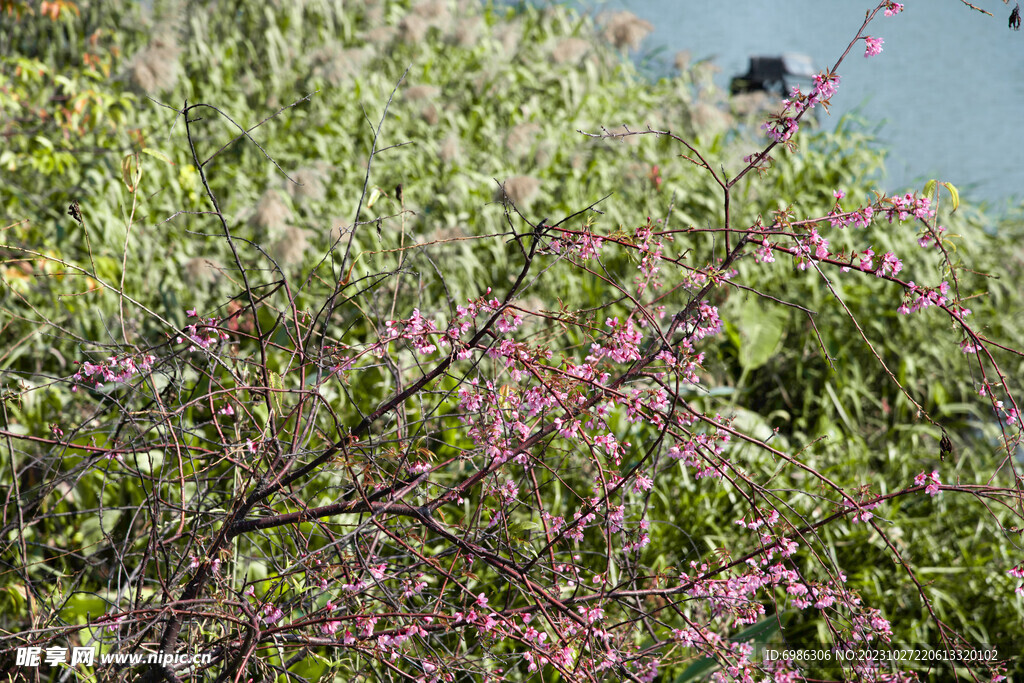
{"type": "Point", "coordinates": [954, 193]}
{"type": "Point", "coordinates": [375, 194]}
{"type": "Point", "coordinates": [760, 332]}
{"type": "Point", "coordinates": [762, 631]}
{"type": "Point", "coordinates": [157, 154]}
{"type": "Point", "coordinates": [131, 171]}
{"type": "Point", "coordinates": [81, 606]}
{"type": "Point", "coordinates": [276, 389]}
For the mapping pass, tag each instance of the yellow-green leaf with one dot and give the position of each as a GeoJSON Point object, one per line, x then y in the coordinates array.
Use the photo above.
{"type": "Point", "coordinates": [157, 154]}
{"type": "Point", "coordinates": [930, 188]}
{"type": "Point", "coordinates": [131, 171]}
{"type": "Point", "coordinates": [375, 194]}
{"type": "Point", "coordinates": [954, 193]}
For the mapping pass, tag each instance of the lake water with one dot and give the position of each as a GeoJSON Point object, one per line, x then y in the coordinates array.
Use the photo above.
{"type": "Point", "coordinates": [948, 87]}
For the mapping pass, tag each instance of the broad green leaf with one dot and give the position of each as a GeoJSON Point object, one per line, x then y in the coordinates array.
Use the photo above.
{"type": "Point", "coordinates": [157, 154]}
{"type": "Point", "coordinates": [760, 329]}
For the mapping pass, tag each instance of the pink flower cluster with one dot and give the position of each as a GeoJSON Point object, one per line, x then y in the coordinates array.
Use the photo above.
{"type": "Point", "coordinates": [862, 511]}
{"type": "Point", "coordinates": [931, 482]}
{"type": "Point", "coordinates": [894, 208]}
{"type": "Point", "coordinates": [871, 625]}
{"type": "Point", "coordinates": [623, 343]}
{"type": "Point", "coordinates": [413, 587]}
{"type": "Point", "coordinates": [872, 46]}
{"type": "Point", "coordinates": [416, 329]}
{"type": "Point", "coordinates": [1009, 414]}
{"type": "Point", "coordinates": [804, 245]}
{"type": "Point", "coordinates": [584, 244]}
{"type": "Point", "coordinates": [890, 265]}
{"type": "Point", "coordinates": [930, 237]}
{"type": "Point", "coordinates": [742, 597]}
{"type": "Point", "coordinates": [764, 252]}
{"type": "Point", "coordinates": [1017, 573]}
{"type": "Point", "coordinates": [860, 218]}
{"type": "Point", "coordinates": [203, 333]}
{"type": "Point", "coordinates": [426, 337]}
{"type": "Point", "coordinates": [701, 452]}
{"type": "Point", "coordinates": [907, 206]}
{"type": "Point", "coordinates": [649, 245]}
{"type": "Point", "coordinates": [924, 297]}
{"type": "Point", "coordinates": [114, 369]}
{"type": "Point", "coordinates": [270, 614]}
{"type": "Point", "coordinates": [785, 124]}
{"type": "Point", "coordinates": [759, 520]}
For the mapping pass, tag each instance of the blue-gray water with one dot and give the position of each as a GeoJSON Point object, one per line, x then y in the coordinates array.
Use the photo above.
{"type": "Point", "coordinates": [948, 87]}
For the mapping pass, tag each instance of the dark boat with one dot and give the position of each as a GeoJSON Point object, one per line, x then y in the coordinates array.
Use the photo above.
{"type": "Point", "coordinates": [770, 74]}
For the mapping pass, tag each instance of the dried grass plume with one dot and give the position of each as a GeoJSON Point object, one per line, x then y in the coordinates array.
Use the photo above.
{"type": "Point", "coordinates": [519, 190]}
{"type": "Point", "coordinates": [308, 185]}
{"type": "Point", "coordinates": [271, 212]}
{"type": "Point", "coordinates": [451, 149]}
{"type": "Point", "coordinates": [569, 50]}
{"type": "Point", "coordinates": [521, 138]}
{"type": "Point", "coordinates": [155, 67]}
{"type": "Point", "coordinates": [289, 250]}
{"type": "Point", "coordinates": [625, 29]}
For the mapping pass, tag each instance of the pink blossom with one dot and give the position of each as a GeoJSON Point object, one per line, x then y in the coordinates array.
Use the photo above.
{"type": "Point", "coordinates": [866, 259]}
{"type": "Point", "coordinates": [890, 265]}
{"type": "Point", "coordinates": [861, 512]}
{"type": "Point", "coordinates": [113, 369]}
{"type": "Point", "coordinates": [764, 253]}
{"type": "Point", "coordinates": [932, 480]}
{"type": "Point", "coordinates": [781, 129]}
{"type": "Point", "coordinates": [873, 46]}
{"type": "Point", "coordinates": [649, 673]}
{"type": "Point", "coordinates": [411, 589]}
{"type": "Point", "coordinates": [366, 625]}
{"type": "Point", "coordinates": [509, 321]}
{"type": "Point", "coordinates": [271, 614]}
{"type": "Point", "coordinates": [825, 88]}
